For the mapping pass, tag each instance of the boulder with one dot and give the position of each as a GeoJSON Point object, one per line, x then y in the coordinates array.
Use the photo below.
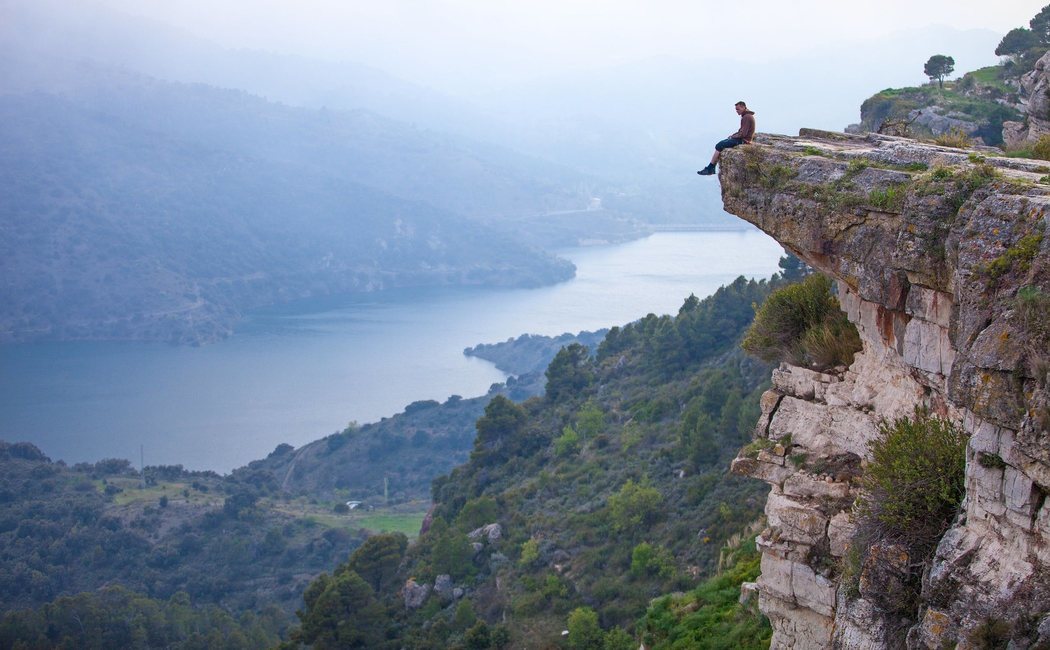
{"type": "Point", "coordinates": [491, 532]}
{"type": "Point", "coordinates": [414, 594]}
{"type": "Point", "coordinates": [748, 594]}
{"type": "Point", "coordinates": [443, 586]}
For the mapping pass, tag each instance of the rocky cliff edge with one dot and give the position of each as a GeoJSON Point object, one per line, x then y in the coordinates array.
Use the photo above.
{"type": "Point", "coordinates": [941, 261]}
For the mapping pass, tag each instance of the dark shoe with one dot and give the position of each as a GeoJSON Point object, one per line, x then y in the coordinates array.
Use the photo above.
{"type": "Point", "coordinates": [707, 171]}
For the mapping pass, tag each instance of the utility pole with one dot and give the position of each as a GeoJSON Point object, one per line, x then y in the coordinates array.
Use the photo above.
{"type": "Point", "coordinates": [142, 466]}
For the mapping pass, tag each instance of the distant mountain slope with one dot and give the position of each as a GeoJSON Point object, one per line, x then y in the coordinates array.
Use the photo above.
{"type": "Point", "coordinates": [469, 177]}
{"type": "Point", "coordinates": [138, 209]}
{"type": "Point", "coordinates": [88, 30]}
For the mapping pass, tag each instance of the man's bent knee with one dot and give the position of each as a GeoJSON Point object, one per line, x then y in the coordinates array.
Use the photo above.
{"type": "Point", "coordinates": [728, 143]}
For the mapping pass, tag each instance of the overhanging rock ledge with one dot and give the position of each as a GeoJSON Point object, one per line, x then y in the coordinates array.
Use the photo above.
{"type": "Point", "coordinates": [941, 260]}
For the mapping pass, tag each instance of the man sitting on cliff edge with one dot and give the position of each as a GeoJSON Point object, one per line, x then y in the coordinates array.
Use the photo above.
{"type": "Point", "coordinates": [742, 136]}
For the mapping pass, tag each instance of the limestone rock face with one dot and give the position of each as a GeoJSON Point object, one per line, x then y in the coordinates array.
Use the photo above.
{"type": "Point", "coordinates": [942, 264]}
{"type": "Point", "coordinates": [939, 122]}
{"type": "Point", "coordinates": [1034, 87]}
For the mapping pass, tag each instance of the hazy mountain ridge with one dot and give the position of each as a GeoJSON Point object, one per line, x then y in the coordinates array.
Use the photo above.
{"type": "Point", "coordinates": [144, 209]}
{"type": "Point", "coordinates": [108, 37]}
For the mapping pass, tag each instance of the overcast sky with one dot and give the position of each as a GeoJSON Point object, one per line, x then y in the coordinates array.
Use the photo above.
{"type": "Point", "coordinates": [427, 39]}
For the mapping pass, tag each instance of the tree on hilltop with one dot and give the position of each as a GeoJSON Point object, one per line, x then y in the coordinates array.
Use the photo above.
{"type": "Point", "coordinates": [938, 67]}
{"type": "Point", "coordinates": [1017, 41]}
{"type": "Point", "coordinates": [569, 372]}
{"type": "Point", "coordinates": [1040, 25]}
{"type": "Point", "coordinates": [499, 431]}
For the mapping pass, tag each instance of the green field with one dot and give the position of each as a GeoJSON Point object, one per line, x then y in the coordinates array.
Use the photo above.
{"type": "Point", "coordinates": [378, 521]}
{"type": "Point", "coordinates": [403, 518]}
{"type": "Point", "coordinates": [176, 492]}
{"type": "Point", "coordinates": [989, 76]}
{"type": "Point", "coordinates": [407, 522]}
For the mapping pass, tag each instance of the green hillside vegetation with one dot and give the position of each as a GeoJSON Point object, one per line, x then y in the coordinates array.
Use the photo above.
{"type": "Point", "coordinates": [982, 99]}
{"type": "Point", "coordinates": [531, 352]}
{"type": "Point", "coordinates": [711, 617]}
{"type": "Point", "coordinates": [232, 541]}
{"type": "Point", "coordinates": [610, 490]}
{"type": "Point", "coordinates": [526, 358]}
{"type": "Point", "coordinates": [115, 617]}
{"type": "Point", "coordinates": [973, 98]}
{"type": "Point", "coordinates": [394, 461]}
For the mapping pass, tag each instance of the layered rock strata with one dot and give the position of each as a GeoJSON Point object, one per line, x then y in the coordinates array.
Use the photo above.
{"type": "Point", "coordinates": [1035, 102]}
{"type": "Point", "coordinates": [941, 262]}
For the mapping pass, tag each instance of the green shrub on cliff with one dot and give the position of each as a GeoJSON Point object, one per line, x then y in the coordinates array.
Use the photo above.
{"type": "Point", "coordinates": [912, 490]}
{"type": "Point", "coordinates": [914, 483]}
{"type": "Point", "coordinates": [1017, 258]}
{"type": "Point", "coordinates": [890, 199]}
{"type": "Point", "coordinates": [955, 138]}
{"type": "Point", "coordinates": [803, 325]}
{"type": "Point", "coordinates": [1041, 149]}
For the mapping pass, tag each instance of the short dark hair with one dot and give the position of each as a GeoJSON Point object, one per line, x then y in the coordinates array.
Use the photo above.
{"type": "Point", "coordinates": [744, 104]}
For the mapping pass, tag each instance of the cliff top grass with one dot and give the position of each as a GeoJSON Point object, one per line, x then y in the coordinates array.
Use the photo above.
{"type": "Point", "coordinates": [988, 76]}
{"type": "Point", "coordinates": [776, 163]}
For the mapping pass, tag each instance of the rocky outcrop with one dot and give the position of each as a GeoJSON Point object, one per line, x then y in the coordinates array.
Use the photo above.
{"type": "Point", "coordinates": [443, 586]}
{"type": "Point", "coordinates": [938, 121]}
{"type": "Point", "coordinates": [1036, 104]}
{"type": "Point", "coordinates": [415, 594]}
{"type": "Point", "coordinates": [941, 262]}
{"type": "Point", "coordinates": [492, 532]}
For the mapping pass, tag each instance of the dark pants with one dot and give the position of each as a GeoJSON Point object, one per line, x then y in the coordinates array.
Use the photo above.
{"type": "Point", "coordinates": [729, 143]}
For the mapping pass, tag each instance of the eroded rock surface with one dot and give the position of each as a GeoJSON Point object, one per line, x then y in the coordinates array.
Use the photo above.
{"type": "Point", "coordinates": [1036, 105]}
{"type": "Point", "coordinates": [941, 261]}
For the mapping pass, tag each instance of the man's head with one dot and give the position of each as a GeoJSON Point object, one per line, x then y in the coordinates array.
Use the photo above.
{"type": "Point", "coordinates": [740, 108]}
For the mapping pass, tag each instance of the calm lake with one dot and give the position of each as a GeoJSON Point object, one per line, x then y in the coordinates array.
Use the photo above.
{"type": "Point", "coordinates": [299, 373]}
